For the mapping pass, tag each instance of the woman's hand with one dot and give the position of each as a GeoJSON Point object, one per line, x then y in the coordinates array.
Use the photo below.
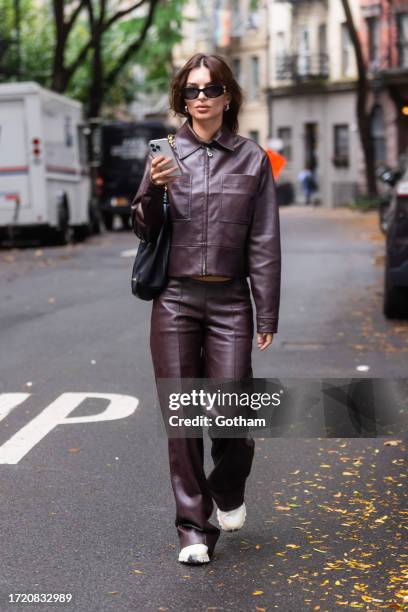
{"type": "Point", "coordinates": [263, 341]}
{"type": "Point", "coordinates": [158, 174]}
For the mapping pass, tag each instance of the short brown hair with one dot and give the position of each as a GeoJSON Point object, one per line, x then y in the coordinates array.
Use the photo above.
{"type": "Point", "coordinates": [221, 73]}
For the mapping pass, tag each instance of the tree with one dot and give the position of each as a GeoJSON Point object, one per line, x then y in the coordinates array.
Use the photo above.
{"type": "Point", "coordinates": [111, 41]}
{"type": "Point", "coordinates": [87, 50]}
{"type": "Point", "coordinates": [363, 113]}
{"type": "Point", "coordinates": [101, 23]}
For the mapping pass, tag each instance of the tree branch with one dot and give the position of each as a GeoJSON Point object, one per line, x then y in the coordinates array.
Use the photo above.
{"type": "Point", "coordinates": [135, 46]}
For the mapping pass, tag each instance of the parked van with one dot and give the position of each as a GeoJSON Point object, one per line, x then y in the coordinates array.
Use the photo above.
{"type": "Point", "coordinates": [118, 155]}
{"type": "Point", "coordinates": [44, 178]}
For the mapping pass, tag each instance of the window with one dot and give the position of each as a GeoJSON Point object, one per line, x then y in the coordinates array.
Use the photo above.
{"type": "Point", "coordinates": [285, 135]}
{"type": "Point", "coordinates": [253, 14]}
{"type": "Point", "coordinates": [281, 55]}
{"type": "Point", "coordinates": [345, 50]}
{"type": "Point", "coordinates": [254, 135]}
{"type": "Point", "coordinates": [373, 31]}
{"type": "Point", "coordinates": [322, 39]}
{"type": "Point", "coordinates": [83, 145]}
{"type": "Point", "coordinates": [236, 19]}
{"type": "Point", "coordinates": [254, 74]}
{"type": "Point", "coordinates": [236, 69]}
{"type": "Point", "coordinates": [378, 134]}
{"type": "Point", "coordinates": [402, 39]}
{"type": "Point", "coordinates": [341, 156]}
{"type": "Point", "coordinates": [304, 58]}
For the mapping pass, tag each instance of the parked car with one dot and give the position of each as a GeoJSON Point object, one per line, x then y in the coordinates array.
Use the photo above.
{"type": "Point", "coordinates": [45, 188]}
{"type": "Point", "coordinates": [395, 224]}
{"type": "Point", "coordinates": [118, 152]}
{"type": "Point", "coordinates": [390, 177]}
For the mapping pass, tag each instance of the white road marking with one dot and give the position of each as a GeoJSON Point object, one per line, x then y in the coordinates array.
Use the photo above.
{"type": "Point", "coordinates": [362, 368]}
{"type": "Point", "coordinates": [120, 407]}
{"type": "Point", "coordinates": [129, 253]}
{"type": "Point", "coordinates": [9, 401]}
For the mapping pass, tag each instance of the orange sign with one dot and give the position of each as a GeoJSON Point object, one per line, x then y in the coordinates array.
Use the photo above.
{"type": "Point", "coordinates": [278, 162]}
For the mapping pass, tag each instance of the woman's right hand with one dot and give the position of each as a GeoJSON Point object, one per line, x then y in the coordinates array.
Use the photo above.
{"type": "Point", "coordinates": [158, 174]}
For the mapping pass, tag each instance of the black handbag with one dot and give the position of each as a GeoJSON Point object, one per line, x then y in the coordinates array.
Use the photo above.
{"type": "Point", "coordinates": [149, 274]}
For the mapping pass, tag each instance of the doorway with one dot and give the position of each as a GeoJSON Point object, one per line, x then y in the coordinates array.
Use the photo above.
{"type": "Point", "coordinates": [310, 151]}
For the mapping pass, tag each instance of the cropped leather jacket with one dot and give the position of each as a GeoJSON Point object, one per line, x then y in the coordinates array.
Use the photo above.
{"type": "Point", "coordinates": [224, 215]}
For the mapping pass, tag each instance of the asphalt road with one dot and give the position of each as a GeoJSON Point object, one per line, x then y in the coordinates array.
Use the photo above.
{"type": "Point", "coordinates": [86, 506]}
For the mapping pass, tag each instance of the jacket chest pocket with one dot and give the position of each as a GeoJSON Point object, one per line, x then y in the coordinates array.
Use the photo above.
{"type": "Point", "coordinates": [236, 193]}
{"type": "Point", "coordinates": [180, 193]}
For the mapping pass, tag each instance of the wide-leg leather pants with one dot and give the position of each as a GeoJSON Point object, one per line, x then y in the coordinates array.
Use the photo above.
{"type": "Point", "coordinates": [204, 329]}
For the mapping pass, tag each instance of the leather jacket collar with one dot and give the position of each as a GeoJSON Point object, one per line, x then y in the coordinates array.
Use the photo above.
{"type": "Point", "coordinates": [187, 141]}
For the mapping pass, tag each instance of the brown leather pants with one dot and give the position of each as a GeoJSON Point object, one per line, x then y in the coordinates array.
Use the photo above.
{"type": "Point", "coordinates": [204, 329]}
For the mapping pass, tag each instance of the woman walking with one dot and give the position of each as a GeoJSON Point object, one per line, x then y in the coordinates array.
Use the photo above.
{"type": "Point", "coordinates": [225, 227]}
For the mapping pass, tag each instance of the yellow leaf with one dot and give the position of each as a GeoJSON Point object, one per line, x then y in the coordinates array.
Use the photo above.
{"type": "Point", "coordinates": [318, 550]}
{"type": "Point", "coordinates": [257, 593]}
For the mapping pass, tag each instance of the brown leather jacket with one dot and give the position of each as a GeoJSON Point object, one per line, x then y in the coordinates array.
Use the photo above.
{"type": "Point", "coordinates": [224, 215]}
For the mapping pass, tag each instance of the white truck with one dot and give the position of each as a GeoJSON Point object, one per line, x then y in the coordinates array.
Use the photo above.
{"type": "Point", "coordinates": [45, 186]}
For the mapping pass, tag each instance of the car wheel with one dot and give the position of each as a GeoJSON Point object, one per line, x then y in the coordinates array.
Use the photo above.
{"type": "Point", "coordinates": [94, 220]}
{"type": "Point", "coordinates": [108, 221]}
{"type": "Point", "coordinates": [125, 220]}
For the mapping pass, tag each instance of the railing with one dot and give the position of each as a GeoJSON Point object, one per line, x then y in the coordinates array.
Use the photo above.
{"type": "Point", "coordinates": [302, 67]}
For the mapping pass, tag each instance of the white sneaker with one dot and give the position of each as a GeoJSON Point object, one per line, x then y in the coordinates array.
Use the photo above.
{"type": "Point", "coordinates": [195, 554]}
{"type": "Point", "coordinates": [232, 520]}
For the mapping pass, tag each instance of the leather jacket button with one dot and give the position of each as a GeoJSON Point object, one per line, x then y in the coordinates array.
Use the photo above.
{"type": "Point", "coordinates": [180, 195]}
{"type": "Point", "coordinates": [237, 191]}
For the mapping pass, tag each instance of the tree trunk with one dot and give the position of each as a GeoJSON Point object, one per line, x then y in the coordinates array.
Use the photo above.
{"type": "Point", "coordinates": [363, 115]}
{"type": "Point", "coordinates": [96, 89]}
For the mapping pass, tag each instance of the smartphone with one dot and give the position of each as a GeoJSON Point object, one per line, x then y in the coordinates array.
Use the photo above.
{"type": "Point", "coordinates": [161, 146]}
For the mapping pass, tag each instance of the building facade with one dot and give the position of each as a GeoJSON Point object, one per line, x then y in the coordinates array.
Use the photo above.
{"type": "Point", "coordinates": [384, 34]}
{"type": "Point", "coordinates": [296, 66]}
{"type": "Point", "coordinates": [312, 97]}
{"type": "Point", "coordinates": [237, 30]}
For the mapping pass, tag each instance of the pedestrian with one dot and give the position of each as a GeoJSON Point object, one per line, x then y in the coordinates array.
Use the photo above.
{"type": "Point", "coordinates": [225, 227]}
{"type": "Point", "coordinates": [308, 183]}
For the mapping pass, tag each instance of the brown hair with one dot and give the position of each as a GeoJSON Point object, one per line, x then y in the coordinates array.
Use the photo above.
{"type": "Point", "coordinates": [220, 73]}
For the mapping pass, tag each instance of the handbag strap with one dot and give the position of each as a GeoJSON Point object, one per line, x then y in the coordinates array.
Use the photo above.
{"type": "Point", "coordinates": [170, 138]}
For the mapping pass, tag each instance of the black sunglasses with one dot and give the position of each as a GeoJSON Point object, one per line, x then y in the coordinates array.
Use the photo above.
{"type": "Point", "coordinates": [212, 91]}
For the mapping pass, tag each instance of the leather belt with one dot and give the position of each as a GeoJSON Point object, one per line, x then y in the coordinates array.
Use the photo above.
{"type": "Point", "coordinates": [211, 278]}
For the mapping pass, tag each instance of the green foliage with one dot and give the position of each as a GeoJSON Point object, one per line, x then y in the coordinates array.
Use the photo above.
{"type": "Point", "coordinates": [36, 46]}
{"type": "Point", "coordinates": [365, 202]}
{"type": "Point", "coordinates": [38, 43]}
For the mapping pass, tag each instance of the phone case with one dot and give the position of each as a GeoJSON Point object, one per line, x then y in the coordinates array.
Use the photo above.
{"type": "Point", "coordinates": [161, 146]}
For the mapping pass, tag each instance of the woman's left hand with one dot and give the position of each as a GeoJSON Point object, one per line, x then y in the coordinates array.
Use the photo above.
{"type": "Point", "coordinates": [263, 341]}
